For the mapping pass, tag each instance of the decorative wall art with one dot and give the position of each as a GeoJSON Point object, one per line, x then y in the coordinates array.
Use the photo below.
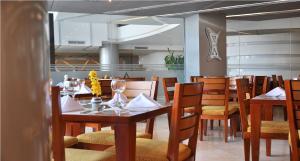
{"type": "Point", "coordinates": [213, 37]}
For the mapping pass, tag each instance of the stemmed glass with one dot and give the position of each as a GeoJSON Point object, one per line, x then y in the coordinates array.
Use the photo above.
{"type": "Point", "coordinates": [118, 86]}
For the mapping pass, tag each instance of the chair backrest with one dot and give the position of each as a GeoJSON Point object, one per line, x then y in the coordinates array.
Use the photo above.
{"type": "Point", "coordinates": [134, 79]}
{"type": "Point", "coordinates": [195, 78]}
{"type": "Point", "coordinates": [215, 92]}
{"type": "Point", "coordinates": [134, 88]}
{"type": "Point", "coordinates": [292, 89]}
{"type": "Point", "coordinates": [260, 85]}
{"type": "Point", "coordinates": [232, 81]}
{"type": "Point", "coordinates": [106, 88]}
{"type": "Point", "coordinates": [243, 92]}
{"type": "Point", "coordinates": [185, 126]}
{"type": "Point", "coordinates": [280, 81]}
{"type": "Point", "coordinates": [274, 81]}
{"type": "Point", "coordinates": [80, 96]}
{"type": "Point", "coordinates": [57, 126]}
{"type": "Point", "coordinates": [168, 86]}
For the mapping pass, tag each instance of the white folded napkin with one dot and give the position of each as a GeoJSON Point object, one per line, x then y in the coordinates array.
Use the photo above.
{"type": "Point", "coordinates": [276, 92]}
{"type": "Point", "coordinates": [123, 100]}
{"type": "Point", "coordinates": [84, 90]}
{"type": "Point", "coordinates": [60, 84]}
{"type": "Point", "coordinates": [142, 103]}
{"type": "Point", "coordinates": [68, 104]}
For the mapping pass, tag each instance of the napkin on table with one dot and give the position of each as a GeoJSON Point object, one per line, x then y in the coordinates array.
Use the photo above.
{"type": "Point", "coordinates": [84, 90]}
{"type": "Point", "coordinates": [68, 104]}
{"type": "Point", "coordinates": [142, 103]}
{"type": "Point", "coordinates": [276, 92]}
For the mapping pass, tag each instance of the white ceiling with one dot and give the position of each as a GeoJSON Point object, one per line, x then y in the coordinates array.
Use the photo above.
{"type": "Point", "coordinates": [177, 8]}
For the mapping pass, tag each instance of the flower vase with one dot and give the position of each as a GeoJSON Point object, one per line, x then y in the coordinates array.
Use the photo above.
{"type": "Point", "coordinates": [96, 103]}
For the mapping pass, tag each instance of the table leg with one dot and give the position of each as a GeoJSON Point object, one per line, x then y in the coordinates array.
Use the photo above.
{"type": "Point", "coordinates": [125, 135]}
{"type": "Point", "coordinates": [268, 117]}
{"type": "Point", "coordinates": [255, 111]}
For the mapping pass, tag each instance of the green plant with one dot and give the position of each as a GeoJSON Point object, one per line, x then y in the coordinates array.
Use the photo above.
{"type": "Point", "coordinates": [174, 62]}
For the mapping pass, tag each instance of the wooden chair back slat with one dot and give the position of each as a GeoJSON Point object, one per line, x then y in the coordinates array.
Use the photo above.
{"type": "Point", "coordinates": [194, 79]}
{"type": "Point", "coordinates": [215, 91]}
{"type": "Point", "coordinates": [260, 85]}
{"type": "Point", "coordinates": [206, 102]}
{"type": "Point", "coordinates": [57, 126]}
{"type": "Point", "coordinates": [134, 88]}
{"type": "Point", "coordinates": [188, 121]}
{"type": "Point", "coordinates": [169, 83]}
{"type": "Point", "coordinates": [185, 127]}
{"type": "Point", "coordinates": [243, 89]}
{"type": "Point", "coordinates": [186, 133]}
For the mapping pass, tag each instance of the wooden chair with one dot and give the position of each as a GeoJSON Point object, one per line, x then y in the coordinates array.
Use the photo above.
{"type": "Point", "coordinates": [183, 127]}
{"type": "Point", "coordinates": [215, 104]}
{"type": "Point", "coordinates": [269, 129]}
{"type": "Point", "coordinates": [292, 89]}
{"type": "Point", "coordinates": [105, 138]}
{"type": "Point", "coordinates": [260, 85]}
{"type": "Point", "coordinates": [195, 78]}
{"type": "Point", "coordinates": [60, 153]}
{"type": "Point", "coordinates": [274, 81]}
{"type": "Point", "coordinates": [106, 89]}
{"type": "Point", "coordinates": [280, 81]}
{"type": "Point", "coordinates": [168, 86]}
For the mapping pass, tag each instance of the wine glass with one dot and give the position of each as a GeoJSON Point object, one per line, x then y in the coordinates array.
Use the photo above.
{"type": "Point", "coordinates": [118, 86]}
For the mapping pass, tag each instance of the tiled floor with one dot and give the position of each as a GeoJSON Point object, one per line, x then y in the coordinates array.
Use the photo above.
{"type": "Point", "coordinates": [213, 147]}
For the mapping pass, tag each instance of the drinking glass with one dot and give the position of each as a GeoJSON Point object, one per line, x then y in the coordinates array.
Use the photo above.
{"type": "Point", "coordinates": [118, 86]}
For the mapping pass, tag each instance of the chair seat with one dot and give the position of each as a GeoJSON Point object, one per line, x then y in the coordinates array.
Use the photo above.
{"type": "Point", "coordinates": [70, 141]}
{"type": "Point", "coordinates": [105, 137]}
{"type": "Point", "coordinates": [290, 137]}
{"type": "Point", "coordinates": [219, 110]}
{"type": "Point", "coordinates": [154, 150]}
{"type": "Point", "coordinates": [88, 155]}
{"type": "Point", "coordinates": [273, 127]}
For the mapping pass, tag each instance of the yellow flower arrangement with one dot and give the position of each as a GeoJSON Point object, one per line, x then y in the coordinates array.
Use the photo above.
{"type": "Point", "coordinates": [96, 88]}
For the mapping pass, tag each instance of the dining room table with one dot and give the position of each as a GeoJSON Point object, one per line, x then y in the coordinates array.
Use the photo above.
{"type": "Point", "coordinates": [124, 123]}
{"type": "Point", "coordinates": [259, 104]}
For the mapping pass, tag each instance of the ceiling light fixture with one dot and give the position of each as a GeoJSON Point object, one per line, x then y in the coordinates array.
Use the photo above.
{"type": "Point", "coordinates": [263, 13]}
{"type": "Point", "coordinates": [227, 8]}
{"type": "Point", "coordinates": [134, 18]}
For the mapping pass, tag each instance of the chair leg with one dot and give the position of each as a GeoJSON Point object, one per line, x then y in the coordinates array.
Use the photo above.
{"type": "Point", "coordinates": [285, 113]}
{"type": "Point", "coordinates": [226, 130]}
{"type": "Point", "coordinates": [231, 127]}
{"type": "Point", "coordinates": [205, 127]}
{"type": "Point", "coordinates": [234, 125]}
{"type": "Point", "coordinates": [201, 130]}
{"type": "Point", "coordinates": [247, 149]}
{"type": "Point", "coordinates": [211, 124]}
{"type": "Point", "coordinates": [219, 123]}
{"type": "Point", "coordinates": [268, 147]}
{"type": "Point", "coordinates": [291, 156]}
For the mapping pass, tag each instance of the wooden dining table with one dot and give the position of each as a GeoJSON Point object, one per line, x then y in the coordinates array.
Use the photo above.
{"type": "Point", "coordinates": [257, 105]}
{"type": "Point", "coordinates": [124, 125]}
